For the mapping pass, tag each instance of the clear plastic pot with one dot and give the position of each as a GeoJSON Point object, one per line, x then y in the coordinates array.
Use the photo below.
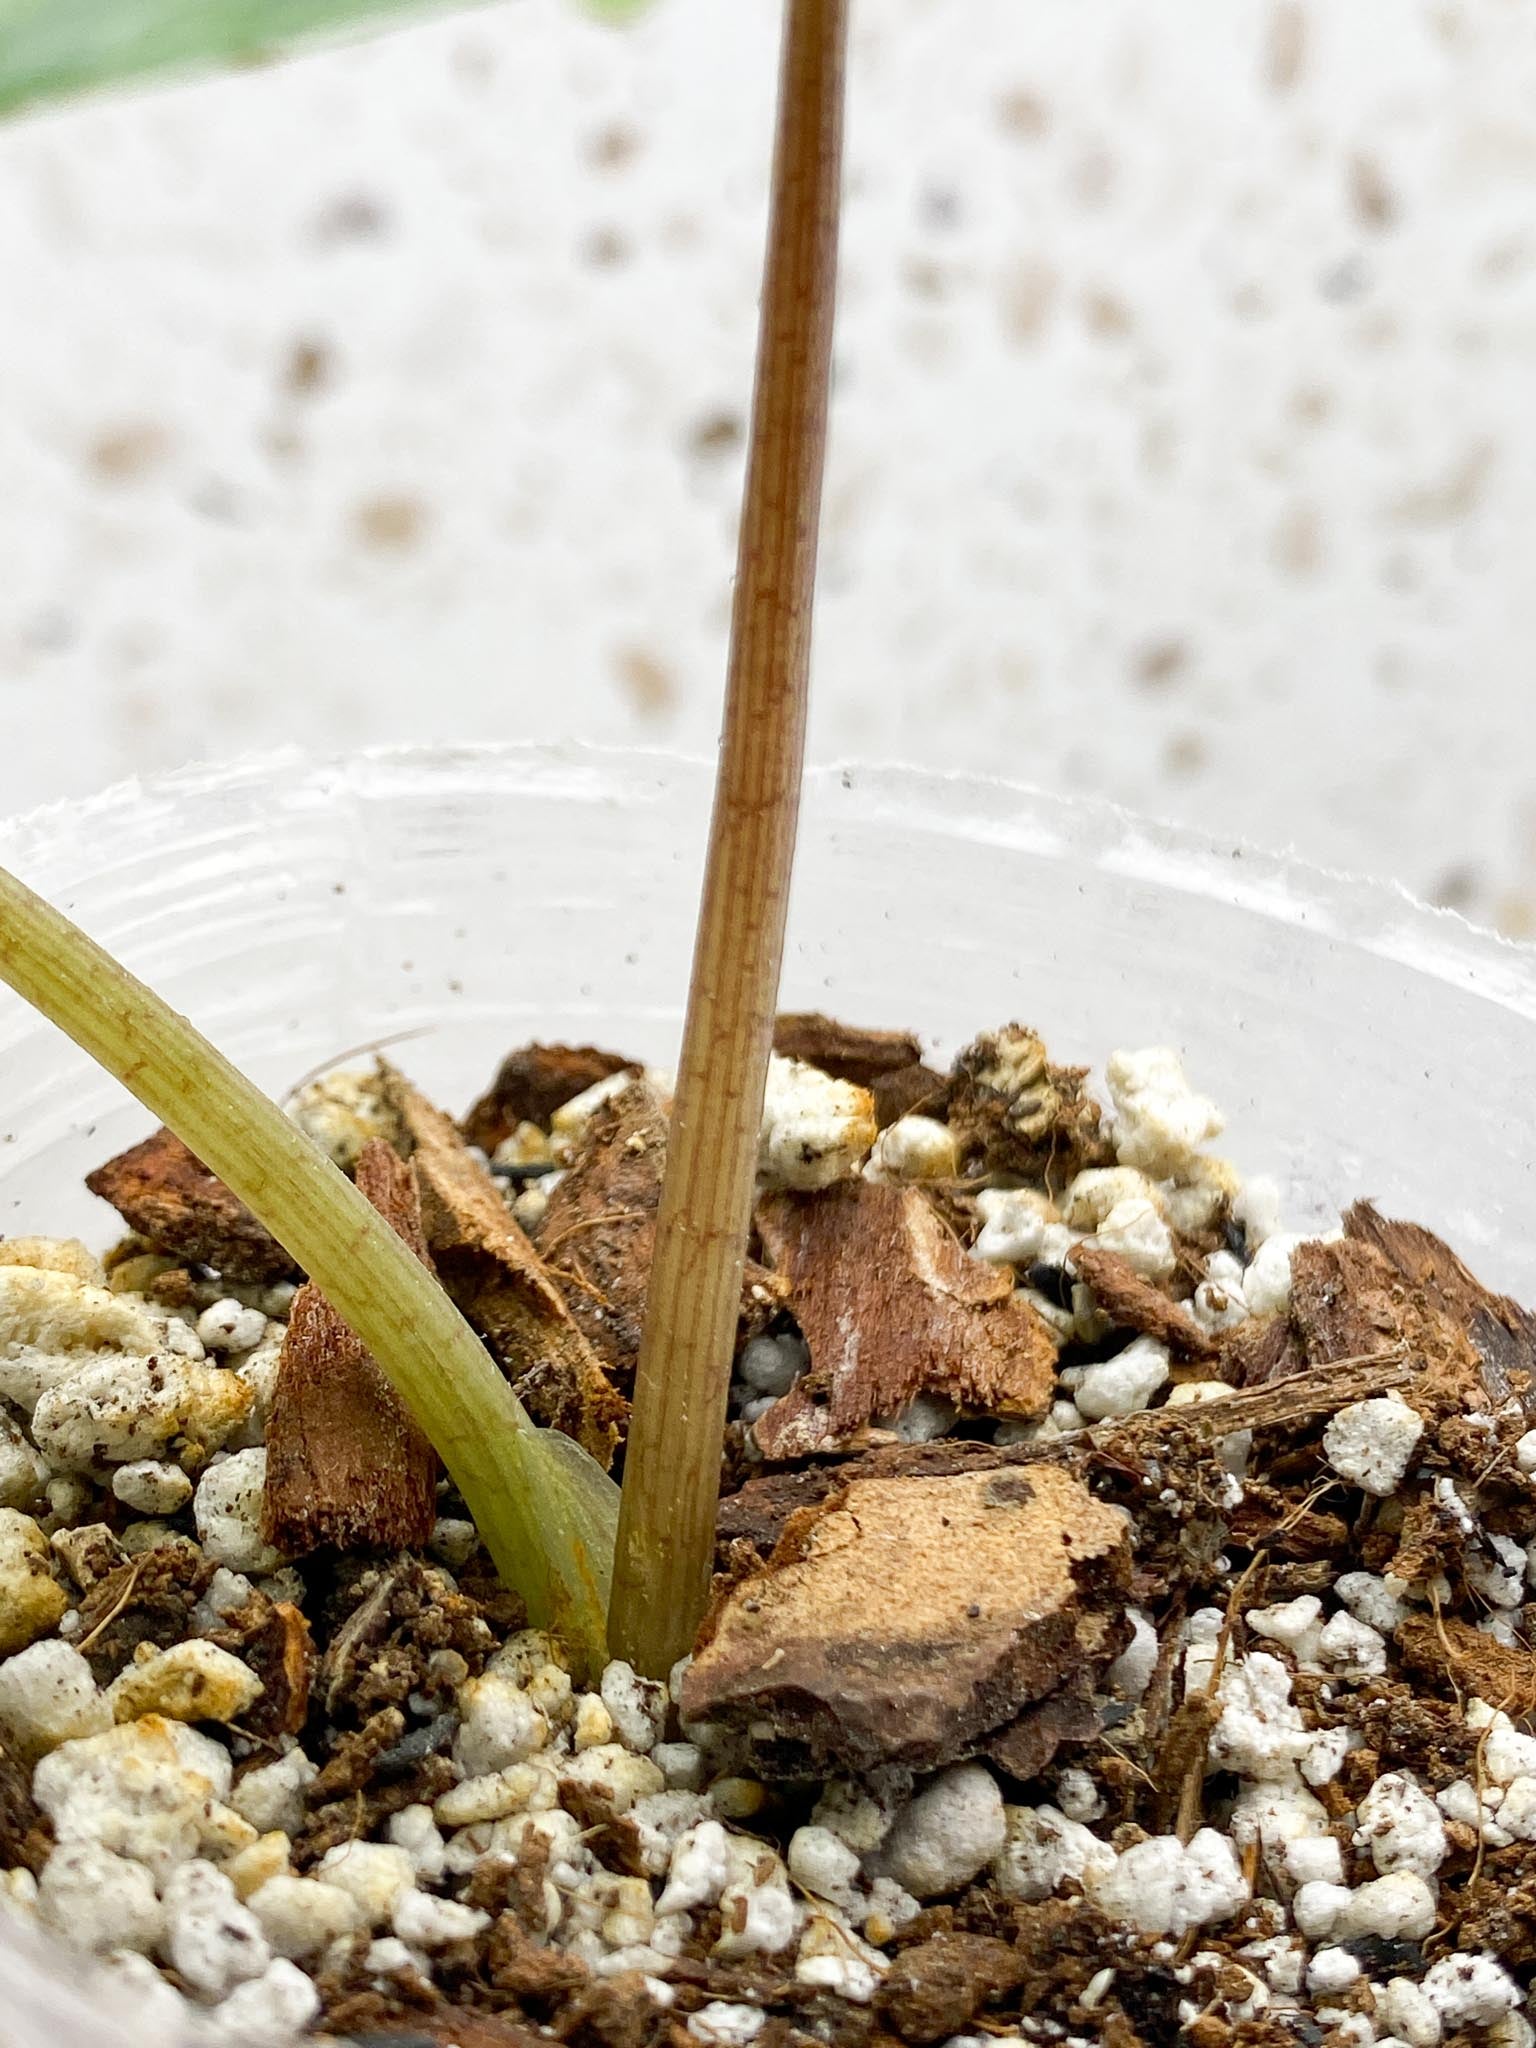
{"type": "Point", "coordinates": [1359, 1043]}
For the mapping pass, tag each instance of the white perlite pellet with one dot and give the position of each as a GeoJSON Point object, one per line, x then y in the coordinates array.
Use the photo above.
{"type": "Point", "coordinates": [1400, 1905]}
{"type": "Point", "coordinates": [824, 1865]}
{"type": "Point", "coordinates": [914, 1148]}
{"type": "Point", "coordinates": [1163, 1886]}
{"type": "Point", "coordinates": [815, 1130]}
{"type": "Point", "coordinates": [213, 1941]}
{"type": "Point", "coordinates": [1043, 1849]}
{"type": "Point", "coordinates": [1260, 1732]}
{"type": "Point", "coordinates": [1404, 2010]}
{"type": "Point", "coordinates": [230, 1326]}
{"type": "Point", "coordinates": [271, 1797]}
{"type": "Point", "coordinates": [269, 2012]}
{"type": "Point", "coordinates": [1136, 1232]}
{"type": "Point", "coordinates": [1401, 1826]}
{"type": "Point", "coordinates": [1371, 1443]}
{"type": "Point", "coordinates": [99, 1900]}
{"type": "Point", "coordinates": [724, 2025]}
{"type": "Point", "coordinates": [1160, 1123]}
{"type": "Point", "coordinates": [637, 1706]}
{"type": "Point", "coordinates": [227, 1510]}
{"type": "Point", "coordinates": [1470, 1990]}
{"type": "Point", "coordinates": [375, 1875]}
{"type": "Point", "coordinates": [949, 1832]}
{"type": "Point", "coordinates": [48, 1696]}
{"type": "Point", "coordinates": [301, 1916]}
{"type": "Point", "coordinates": [152, 1486]}
{"type": "Point", "coordinates": [1124, 1384]}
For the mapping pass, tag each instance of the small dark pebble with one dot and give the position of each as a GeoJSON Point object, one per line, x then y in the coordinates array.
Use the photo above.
{"type": "Point", "coordinates": [392, 2039]}
{"type": "Point", "coordinates": [1150, 2000]}
{"type": "Point", "coordinates": [533, 1169]}
{"type": "Point", "coordinates": [1054, 1282]}
{"type": "Point", "coordinates": [416, 1747]}
{"type": "Point", "coordinates": [1383, 1956]}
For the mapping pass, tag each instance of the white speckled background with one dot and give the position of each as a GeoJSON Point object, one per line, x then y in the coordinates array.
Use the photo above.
{"type": "Point", "coordinates": [1184, 437]}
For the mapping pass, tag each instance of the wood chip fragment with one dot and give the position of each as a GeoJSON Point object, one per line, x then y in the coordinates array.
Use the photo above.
{"type": "Point", "coordinates": [759, 1511]}
{"type": "Point", "coordinates": [1267, 1519]}
{"type": "Point", "coordinates": [1285, 1405]}
{"type": "Point", "coordinates": [600, 1228]}
{"type": "Point", "coordinates": [892, 1307]}
{"type": "Point", "coordinates": [165, 1193]}
{"type": "Point", "coordinates": [347, 1465]}
{"type": "Point", "coordinates": [843, 1050]}
{"type": "Point", "coordinates": [1503, 1332]}
{"type": "Point", "coordinates": [1348, 1300]}
{"type": "Point", "coordinates": [1133, 1303]}
{"type": "Point", "coordinates": [908, 1621]}
{"type": "Point", "coordinates": [910, 1091]}
{"type": "Point", "coordinates": [1028, 1743]}
{"type": "Point", "coordinates": [273, 1637]}
{"type": "Point", "coordinates": [531, 1084]}
{"type": "Point", "coordinates": [500, 1282]}
{"type": "Point", "coordinates": [1259, 1350]}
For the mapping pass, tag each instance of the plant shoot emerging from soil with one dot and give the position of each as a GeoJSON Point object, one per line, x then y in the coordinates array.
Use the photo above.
{"type": "Point", "coordinates": [666, 1522]}
{"type": "Point", "coordinates": [545, 1509]}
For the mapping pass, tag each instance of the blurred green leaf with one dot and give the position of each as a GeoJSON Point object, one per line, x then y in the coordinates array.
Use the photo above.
{"type": "Point", "coordinates": [49, 48]}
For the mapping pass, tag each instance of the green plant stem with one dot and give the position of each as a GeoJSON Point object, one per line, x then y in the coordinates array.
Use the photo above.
{"type": "Point", "coordinates": [672, 1464]}
{"type": "Point", "coordinates": [546, 1511]}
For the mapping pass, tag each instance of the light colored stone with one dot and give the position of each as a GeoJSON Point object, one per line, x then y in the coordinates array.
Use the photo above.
{"type": "Point", "coordinates": [949, 1832]}
{"type": "Point", "coordinates": [31, 1599]}
{"type": "Point", "coordinates": [48, 1696]}
{"type": "Point", "coordinates": [191, 1681]}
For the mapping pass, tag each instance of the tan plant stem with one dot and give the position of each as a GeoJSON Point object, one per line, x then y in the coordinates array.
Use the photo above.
{"type": "Point", "coordinates": [672, 1469]}
{"type": "Point", "coordinates": [546, 1510]}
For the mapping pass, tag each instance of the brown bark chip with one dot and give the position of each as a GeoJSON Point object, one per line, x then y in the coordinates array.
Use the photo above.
{"type": "Point", "coordinates": [759, 1510]}
{"type": "Point", "coordinates": [600, 1226]}
{"type": "Point", "coordinates": [1259, 1351]}
{"type": "Point", "coordinates": [1503, 1332]}
{"type": "Point", "coordinates": [1346, 1301]}
{"type": "Point", "coordinates": [347, 1464]}
{"type": "Point", "coordinates": [273, 1637]}
{"type": "Point", "coordinates": [1349, 1301]}
{"type": "Point", "coordinates": [499, 1281]}
{"type": "Point", "coordinates": [892, 1307]}
{"type": "Point", "coordinates": [165, 1192]}
{"type": "Point", "coordinates": [843, 1050]}
{"type": "Point", "coordinates": [909, 1091]}
{"type": "Point", "coordinates": [1132, 1303]}
{"type": "Point", "coordinates": [906, 1621]}
{"type": "Point", "coordinates": [532, 1083]}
